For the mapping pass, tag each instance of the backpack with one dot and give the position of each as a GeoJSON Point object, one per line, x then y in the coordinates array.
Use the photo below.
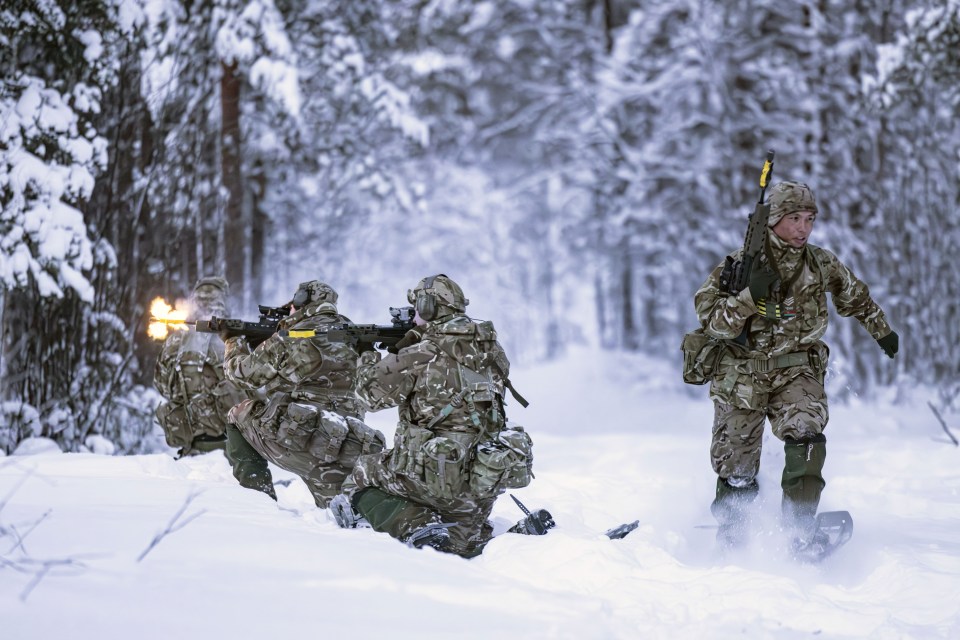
{"type": "Point", "coordinates": [189, 375]}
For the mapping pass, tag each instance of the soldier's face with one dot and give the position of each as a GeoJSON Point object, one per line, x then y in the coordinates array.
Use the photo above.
{"type": "Point", "coordinates": [795, 228]}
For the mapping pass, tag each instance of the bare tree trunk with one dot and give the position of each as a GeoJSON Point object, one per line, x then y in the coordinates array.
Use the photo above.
{"type": "Point", "coordinates": [258, 233]}
{"type": "Point", "coordinates": [629, 326]}
{"type": "Point", "coordinates": [234, 229]}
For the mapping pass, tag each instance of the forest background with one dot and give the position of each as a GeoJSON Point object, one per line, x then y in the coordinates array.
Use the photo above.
{"type": "Point", "coordinates": [578, 165]}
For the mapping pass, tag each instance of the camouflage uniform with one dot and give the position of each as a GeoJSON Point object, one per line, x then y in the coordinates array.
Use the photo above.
{"type": "Point", "coordinates": [189, 374]}
{"type": "Point", "coordinates": [777, 373]}
{"type": "Point", "coordinates": [311, 422]}
{"type": "Point", "coordinates": [453, 453]}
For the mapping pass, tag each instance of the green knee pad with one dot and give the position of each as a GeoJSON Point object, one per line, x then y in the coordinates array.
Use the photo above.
{"type": "Point", "coordinates": [802, 480]}
{"type": "Point", "coordinates": [392, 514]}
{"type": "Point", "coordinates": [206, 444]}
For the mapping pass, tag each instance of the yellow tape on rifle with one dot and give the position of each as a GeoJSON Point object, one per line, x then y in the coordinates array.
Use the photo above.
{"type": "Point", "coordinates": [308, 333]}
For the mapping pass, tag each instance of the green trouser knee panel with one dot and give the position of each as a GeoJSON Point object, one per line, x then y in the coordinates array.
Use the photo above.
{"type": "Point", "coordinates": [392, 514]}
{"type": "Point", "coordinates": [249, 467]}
{"type": "Point", "coordinates": [199, 445]}
{"type": "Point", "coordinates": [802, 480]}
{"type": "Point", "coordinates": [729, 502]}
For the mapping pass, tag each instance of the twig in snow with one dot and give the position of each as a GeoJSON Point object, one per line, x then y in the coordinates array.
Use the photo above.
{"type": "Point", "coordinates": [19, 538]}
{"type": "Point", "coordinates": [46, 566]}
{"type": "Point", "coordinates": [173, 525]}
{"type": "Point", "coordinates": [942, 423]}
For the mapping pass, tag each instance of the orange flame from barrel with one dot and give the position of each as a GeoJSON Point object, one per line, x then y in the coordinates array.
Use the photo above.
{"type": "Point", "coordinates": [165, 318]}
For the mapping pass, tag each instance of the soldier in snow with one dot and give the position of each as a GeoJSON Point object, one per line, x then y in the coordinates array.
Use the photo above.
{"type": "Point", "coordinates": [311, 421]}
{"type": "Point", "coordinates": [773, 362]}
{"type": "Point", "coordinates": [189, 375]}
{"type": "Point", "coordinates": [453, 452]}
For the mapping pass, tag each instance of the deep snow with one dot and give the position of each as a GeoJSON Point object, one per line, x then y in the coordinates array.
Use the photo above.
{"type": "Point", "coordinates": [616, 439]}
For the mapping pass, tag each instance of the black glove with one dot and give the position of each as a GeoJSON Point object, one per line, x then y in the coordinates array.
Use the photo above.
{"type": "Point", "coordinates": [411, 337]}
{"type": "Point", "coordinates": [890, 344]}
{"type": "Point", "coordinates": [760, 280]}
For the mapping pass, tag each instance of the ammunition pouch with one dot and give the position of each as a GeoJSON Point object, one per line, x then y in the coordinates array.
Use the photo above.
{"type": "Point", "coordinates": [341, 440]}
{"type": "Point", "coordinates": [444, 461]}
{"type": "Point", "coordinates": [505, 462]}
{"type": "Point", "coordinates": [701, 354]}
{"type": "Point", "coordinates": [173, 418]}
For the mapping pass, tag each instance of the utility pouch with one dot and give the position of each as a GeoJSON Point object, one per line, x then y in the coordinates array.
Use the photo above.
{"type": "Point", "coordinates": [479, 386]}
{"type": "Point", "coordinates": [820, 359]}
{"type": "Point", "coordinates": [407, 457]}
{"type": "Point", "coordinates": [701, 353]}
{"type": "Point", "coordinates": [175, 423]}
{"type": "Point", "coordinates": [505, 462]}
{"type": "Point", "coordinates": [443, 467]}
{"type": "Point", "coordinates": [297, 426]}
{"type": "Point", "coordinates": [330, 435]}
{"type": "Point", "coordinates": [361, 440]}
{"type": "Point", "coordinates": [269, 418]}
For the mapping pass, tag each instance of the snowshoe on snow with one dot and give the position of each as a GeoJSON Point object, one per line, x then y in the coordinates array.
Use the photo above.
{"type": "Point", "coordinates": [622, 531]}
{"type": "Point", "coordinates": [534, 524]}
{"type": "Point", "coordinates": [830, 531]}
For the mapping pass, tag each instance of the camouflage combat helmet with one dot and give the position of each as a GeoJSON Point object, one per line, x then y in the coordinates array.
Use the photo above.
{"type": "Point", "coordinates": [437, 296]}
{"type": "Point", "coordinates": [210, 296]}
{"type": "Point", "coordinates": [789, 197]}
{"type": "Point", "coordinates": [313, 291]}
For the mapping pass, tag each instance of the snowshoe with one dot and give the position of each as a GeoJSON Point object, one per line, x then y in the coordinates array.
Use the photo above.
{"type": "Point", "coordinates": [830, 531]}
{"type": "Point", "coordinates": [537, 523]}
{"type": "Point", "coordinates": [621, 532]}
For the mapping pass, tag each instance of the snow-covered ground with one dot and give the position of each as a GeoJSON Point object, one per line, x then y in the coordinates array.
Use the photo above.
{"type": "Point", "coordinates": [616, 439]}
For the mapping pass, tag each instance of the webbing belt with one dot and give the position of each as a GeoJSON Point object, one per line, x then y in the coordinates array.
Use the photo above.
{"type": "Point", "coordinates": [794, 359]}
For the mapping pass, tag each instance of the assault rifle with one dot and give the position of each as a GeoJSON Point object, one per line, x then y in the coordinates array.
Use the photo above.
{"type": "Point", "coordinates": [735, 276]}
{"type": "Point", "coordinates": [256, 332]}
{"type": "Point", "coordinates": [366, 336]}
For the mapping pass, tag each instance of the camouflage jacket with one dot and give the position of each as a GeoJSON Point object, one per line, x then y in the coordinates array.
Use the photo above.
{"type": "Point", "coordinates": [457, 367]}
{"type": "Point", "coordinates": [725, 317]}
{"type": "Point", "coordinates": [312, 369]}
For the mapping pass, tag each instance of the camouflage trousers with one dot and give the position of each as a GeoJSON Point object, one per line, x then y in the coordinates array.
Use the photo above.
{"type": "Point", "coordinates": [794, 401]}
{"type": "Point", "coordinates": [468, 513]}
{"type": "Point", "coordinates": [321, 459]}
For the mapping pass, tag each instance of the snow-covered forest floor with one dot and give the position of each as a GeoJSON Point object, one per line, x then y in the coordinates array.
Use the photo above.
{"type": "Point", "coordinates": [616, 439]}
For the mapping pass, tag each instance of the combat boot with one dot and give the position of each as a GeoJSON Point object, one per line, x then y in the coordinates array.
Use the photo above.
{"type": "Point", "coordinates": [730, 507]}
{"type": "Point", "coordinates": [410, 522]}
{"type": "Point", "coordinates": [537, 523]}
{"type": "Point", "coordinates": [802, 482]}
{"type": "Point", "coordinates": [434, 535]}
{"type": "Point", "coordinates": [344, 514]}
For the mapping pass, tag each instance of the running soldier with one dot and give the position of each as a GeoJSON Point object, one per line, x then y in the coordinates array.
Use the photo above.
{"type": "Point", "coordinates": [773, 363]}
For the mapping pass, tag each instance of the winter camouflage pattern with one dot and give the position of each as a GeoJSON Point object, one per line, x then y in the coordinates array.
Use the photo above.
{"type": "Point", "coordinates": [189, 375]}
{"type": "Point", "coordinates": [789, 197]}
{"type": "Point", "coordinates": [312, 420]}
{"type": "Point", "coordinates": [744, 388]}
{"type": "Point", "coordinates": [449, 390]}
